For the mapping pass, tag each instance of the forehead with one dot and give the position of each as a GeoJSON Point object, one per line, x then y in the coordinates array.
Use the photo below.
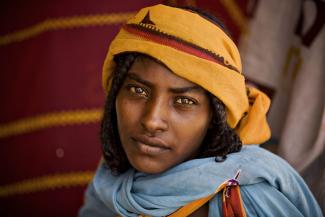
{"type": "Point", "coordinates": [155, 71]}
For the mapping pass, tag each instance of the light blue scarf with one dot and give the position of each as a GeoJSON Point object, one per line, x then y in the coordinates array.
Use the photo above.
{"type": "Point", "coordinates": [269, 187]}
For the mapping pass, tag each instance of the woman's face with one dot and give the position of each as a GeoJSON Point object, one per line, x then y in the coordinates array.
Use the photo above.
{"type": "Point", "coordinates": [162, 118]}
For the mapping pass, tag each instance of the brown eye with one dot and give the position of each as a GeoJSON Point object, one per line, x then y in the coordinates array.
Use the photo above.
{"type": "Point", "coordinates": [184, 101]}
{"type": "Point", "coordinates": [138, 90]}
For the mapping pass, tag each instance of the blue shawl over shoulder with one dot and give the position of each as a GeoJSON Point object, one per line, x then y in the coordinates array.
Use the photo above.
{"type": "Point", "coordinates": [269, 187]}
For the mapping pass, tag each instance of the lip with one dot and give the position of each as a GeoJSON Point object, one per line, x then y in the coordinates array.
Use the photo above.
{"type": "Point", "coordinates": [150, 145]}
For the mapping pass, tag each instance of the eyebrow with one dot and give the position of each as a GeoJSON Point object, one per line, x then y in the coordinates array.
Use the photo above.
{"type": "Point", "coordinates": [134, 77]}
{"type": "Point", "coordinates": [178, 90]}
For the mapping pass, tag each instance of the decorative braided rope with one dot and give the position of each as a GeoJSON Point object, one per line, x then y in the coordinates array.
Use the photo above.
{"type": "Point", "coordinates": [49, 182]}
{"type": "Point", "coordinates": [64, 23]}
{"type": "Point", "coordinates": [53, 119]}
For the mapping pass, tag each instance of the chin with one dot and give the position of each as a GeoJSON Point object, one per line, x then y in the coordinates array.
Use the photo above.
{"type": "Point", "coordinates": [148, 168]}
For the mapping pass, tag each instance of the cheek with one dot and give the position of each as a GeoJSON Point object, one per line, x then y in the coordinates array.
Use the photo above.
{"type": "Point", "coordinates": [191, 129]}
{"type": "Point", "coordinates": [128, 113]}
{"type": "Point", "coordinates": [124, 114]}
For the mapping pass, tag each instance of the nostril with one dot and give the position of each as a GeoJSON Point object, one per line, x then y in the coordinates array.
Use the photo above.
{"type": "Point", "coordinates": [154, 121]}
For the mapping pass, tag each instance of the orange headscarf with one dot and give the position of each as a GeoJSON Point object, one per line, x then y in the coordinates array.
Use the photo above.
{"type": "Point", "coordinates": [199, 51]}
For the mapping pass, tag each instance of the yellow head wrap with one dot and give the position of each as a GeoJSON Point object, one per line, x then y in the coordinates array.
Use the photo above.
{"type": "Point", "coordinates": [199, 51]}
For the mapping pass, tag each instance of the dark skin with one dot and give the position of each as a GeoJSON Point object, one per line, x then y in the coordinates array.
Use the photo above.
{"type": "Point", "coordinates": [219, 140]}
{"type": "Point", "coordinates": [162, 118]}
{"type": "Point", "coordinates": [156, 110]}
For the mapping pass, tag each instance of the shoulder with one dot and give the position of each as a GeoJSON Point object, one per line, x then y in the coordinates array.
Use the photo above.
{"type": "Point", "coordinates": [263, 199]}
{"type": "Point", "coordinates": [270, 185]}
{"type": "Point", "coordinates": [258, 165]}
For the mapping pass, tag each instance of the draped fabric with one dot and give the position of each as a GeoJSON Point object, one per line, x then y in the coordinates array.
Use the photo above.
{"type": "Point", "coordinates": [305, 125]}
{"type": "Point", "coordinates": [266, 190]}
{"type": "Point", "coordinates": [293, 67]}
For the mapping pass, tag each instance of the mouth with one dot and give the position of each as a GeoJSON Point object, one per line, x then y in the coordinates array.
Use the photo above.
{"type": "Point", "coordinates": [150, 145]}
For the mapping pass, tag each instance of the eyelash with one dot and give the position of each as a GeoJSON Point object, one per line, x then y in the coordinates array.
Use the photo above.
{"type": "Point", "coordinates": [180, 100]}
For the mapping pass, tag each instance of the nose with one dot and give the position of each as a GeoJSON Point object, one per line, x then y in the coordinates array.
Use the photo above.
{"type": "Point", "coordinates": [155, 116]}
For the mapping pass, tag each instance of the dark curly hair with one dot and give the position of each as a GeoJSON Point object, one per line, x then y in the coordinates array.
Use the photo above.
{"type": "Point", "coordinates": [219, 140]}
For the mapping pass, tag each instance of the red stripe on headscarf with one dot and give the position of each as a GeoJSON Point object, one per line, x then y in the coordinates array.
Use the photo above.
{"type": "Point", "coordinates": [171, 43]}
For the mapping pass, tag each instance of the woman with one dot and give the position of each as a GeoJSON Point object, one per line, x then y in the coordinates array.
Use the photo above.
{"type": "Point", "coordinates": [176, 116]}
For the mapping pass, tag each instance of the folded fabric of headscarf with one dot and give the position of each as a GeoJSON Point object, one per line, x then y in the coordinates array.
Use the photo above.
{"type": "Point", "coordinates": [198, 50]}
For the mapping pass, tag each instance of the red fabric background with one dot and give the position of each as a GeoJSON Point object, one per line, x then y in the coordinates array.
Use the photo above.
{"type": "Point", "coordinates": [54, 71]}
